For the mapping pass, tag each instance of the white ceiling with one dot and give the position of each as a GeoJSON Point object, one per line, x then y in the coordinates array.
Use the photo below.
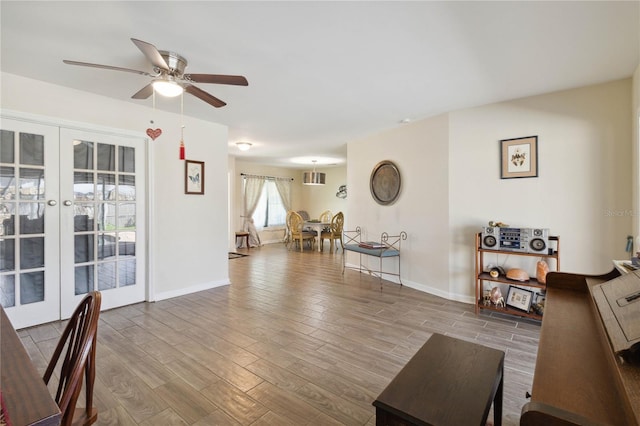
{"type": "Point", "coordinates": [322, 74]}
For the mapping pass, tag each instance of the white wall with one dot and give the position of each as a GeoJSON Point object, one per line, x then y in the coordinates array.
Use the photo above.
{"type": "Point", "coordinates": [450, 167]}
{"type": "Point", "coordinates": [583, 192]}
{"type": "Point", "coordinates": [188, 233]}
{"type": "Point", "coordinates": [420, 151]}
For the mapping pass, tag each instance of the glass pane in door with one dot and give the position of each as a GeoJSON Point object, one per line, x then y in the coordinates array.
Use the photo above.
{"type": "Point", "coordinates": [104, 195]}
{"type": "Point", "coordinates": [7, 146]}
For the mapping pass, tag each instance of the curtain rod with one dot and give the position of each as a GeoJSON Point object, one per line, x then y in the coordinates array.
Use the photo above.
{"type": "Point", "coordinates": [266, 177]}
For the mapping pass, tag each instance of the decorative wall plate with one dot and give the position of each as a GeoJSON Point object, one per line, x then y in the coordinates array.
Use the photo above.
{"type": "Point", "coordinates": [385, 183]}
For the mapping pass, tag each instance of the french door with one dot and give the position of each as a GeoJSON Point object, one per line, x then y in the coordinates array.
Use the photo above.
{"type": "Point", "coordinates": [72, 209]}
{"type": "Point", "coordinates": [29, 219]}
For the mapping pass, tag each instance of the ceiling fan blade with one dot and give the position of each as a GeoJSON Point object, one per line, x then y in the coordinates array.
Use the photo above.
{"type": "Point", "coordinates": [151, 53]}
{"type": "Point", "coordinates": [199, 93]}
{"type": "Point", "coordinates": [143, 93]}
{"type": "Point", "coordinates": [106, 67]}
{"type": "Point", "coordinates": [236, 80]}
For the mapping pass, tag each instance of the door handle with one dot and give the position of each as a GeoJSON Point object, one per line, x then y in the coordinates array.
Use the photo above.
{"type": "Point", "coordinates": [52, 202]}
{"type": "Point", "coordinates": [67, 203]}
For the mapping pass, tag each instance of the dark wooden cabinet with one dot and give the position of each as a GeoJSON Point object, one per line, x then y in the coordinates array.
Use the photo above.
{"type": "Point", "coordinates": [482, 277]}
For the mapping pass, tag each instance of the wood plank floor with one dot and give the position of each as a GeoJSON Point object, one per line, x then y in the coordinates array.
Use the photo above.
{"type": "Point", "coordinates": [290, 342]}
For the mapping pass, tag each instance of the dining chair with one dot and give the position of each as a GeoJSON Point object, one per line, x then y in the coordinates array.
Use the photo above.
{"type": "Point", "coordinates": [287, 233]}
{"type": "Point", "coordinates": [305, 217]}
{"type": "Point", "coordinates": [78, 342]}
{"type": "Point", "coordinates": [334, 232]}
{"type": "Point", "coordinates": [326, 216]}
{"type": "Point", "coordinates": [298, 235]}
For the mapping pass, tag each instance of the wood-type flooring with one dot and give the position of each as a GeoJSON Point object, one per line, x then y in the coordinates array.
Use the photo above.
{"type": "Point", "coordinates": [290, 342]}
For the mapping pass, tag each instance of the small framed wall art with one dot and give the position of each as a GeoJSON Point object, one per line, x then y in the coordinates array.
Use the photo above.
{"type": "Point", "coordinates": [519, 157]}
{"type": "Point", "coordinates": [193, 177]}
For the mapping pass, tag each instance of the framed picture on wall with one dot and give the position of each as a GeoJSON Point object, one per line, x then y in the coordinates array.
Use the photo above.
{"type": "Point", "coordinates": [519, 157]}
{"type": "Point", "coordinates": [193, 177]}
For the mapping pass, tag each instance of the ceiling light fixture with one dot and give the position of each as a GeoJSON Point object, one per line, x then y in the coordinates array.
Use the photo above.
{"type": "Point", "coordinates": [313, 178]}
{"type": "Point", "coordinates": [243, 146]}
{"type": "Point", "coordinates": [167, 86]}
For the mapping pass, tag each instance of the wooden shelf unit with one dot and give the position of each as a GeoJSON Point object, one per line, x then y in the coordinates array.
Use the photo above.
{"type": "Point", "coordinates": [481, 276]}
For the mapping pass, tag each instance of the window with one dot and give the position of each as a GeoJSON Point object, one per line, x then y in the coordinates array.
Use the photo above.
{"type": "Point", "coordinates": [270, 210]}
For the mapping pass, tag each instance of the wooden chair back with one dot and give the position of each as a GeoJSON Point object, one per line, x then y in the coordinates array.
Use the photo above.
{"type": "Point", "coordinates": [75, 356]}
{"type": "Point", "coordinates": [334, 232]}
{"type": "Point", "coordinates": [304, 214]}
{"type": "Point", "coordinates": [326, 216]}
{"type": "Point", "coordinates": [296, 223]}
{"type": "Point", "coordinates": [337, 224]}
{"type": "Point", "coordinates": [287, 233]}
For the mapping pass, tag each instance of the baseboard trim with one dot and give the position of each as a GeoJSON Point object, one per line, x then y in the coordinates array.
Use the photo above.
{"type": "Point", "coordinates": [193, 289]}
{"type": "Point", "coordinates": [420, 287]}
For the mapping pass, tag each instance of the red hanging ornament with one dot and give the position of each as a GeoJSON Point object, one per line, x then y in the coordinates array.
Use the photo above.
{"type": "Point", "coordinates": [154, 133]}
{"type": "Point", "coordinates": [181, 150]}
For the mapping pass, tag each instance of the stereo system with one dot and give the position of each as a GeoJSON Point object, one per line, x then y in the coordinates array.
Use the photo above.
{"type": "Point", "coordinates": [522, 240]}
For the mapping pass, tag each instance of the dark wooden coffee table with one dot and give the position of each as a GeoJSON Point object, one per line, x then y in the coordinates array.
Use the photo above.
{"type": "Point", "coordinates": [447, 382]}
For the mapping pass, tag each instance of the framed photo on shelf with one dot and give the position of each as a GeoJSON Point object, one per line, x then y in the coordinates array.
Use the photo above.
{"type": "Point", "coordinates": [519, 157]}
{"type": "Point", "coordinates": [193, 177]}
{"type": "Point", "coordinates": [519, 298]}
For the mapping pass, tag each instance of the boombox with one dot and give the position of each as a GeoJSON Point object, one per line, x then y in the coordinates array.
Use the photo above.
{"type": "Point", "coordinates": [523, 240]}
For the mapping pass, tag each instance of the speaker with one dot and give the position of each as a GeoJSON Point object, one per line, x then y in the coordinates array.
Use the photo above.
{"type": "Point", "coordinates": [490, 237]}
{"type": "Point", "coordinates": [537, 240]}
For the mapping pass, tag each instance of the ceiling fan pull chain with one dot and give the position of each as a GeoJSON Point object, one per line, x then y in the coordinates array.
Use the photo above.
{"type": "Point", "coordinates": [153, 105]}
{"type": "Point", "coordinates": [182, 127]}
{"type": "Point", "coordinates": [153, 133]}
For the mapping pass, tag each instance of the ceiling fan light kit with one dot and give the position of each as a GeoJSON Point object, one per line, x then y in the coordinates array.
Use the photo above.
{"type": "Point", "coordinates": [167, 87]}
{"type": "Point", "coordinates": [170, 79]}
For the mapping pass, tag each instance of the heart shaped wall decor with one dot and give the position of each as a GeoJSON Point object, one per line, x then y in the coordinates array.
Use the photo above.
{"type": "Point", "coordinates": [154, 133]}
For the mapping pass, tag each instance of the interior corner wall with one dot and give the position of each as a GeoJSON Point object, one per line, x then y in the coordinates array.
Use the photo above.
{"type": "Point", "coordinates": [583, 191]}
{"type": "Point", "coordinates": [420, 151]}
{"type": "Point", "coordinates": [188, 233]}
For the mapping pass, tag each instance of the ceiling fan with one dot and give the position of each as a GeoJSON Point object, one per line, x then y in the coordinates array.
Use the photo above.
{"type": "Point", "coordinates": [169, 78]}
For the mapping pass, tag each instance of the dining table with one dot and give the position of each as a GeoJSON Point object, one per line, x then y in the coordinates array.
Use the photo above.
{"type": "Point", "coordinates": [317, 226]}
{"type": "Point", "coordinates": [25, 398]}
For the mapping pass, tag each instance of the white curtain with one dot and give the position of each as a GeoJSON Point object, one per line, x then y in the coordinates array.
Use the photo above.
{"type": "Point", "coordinates": [252, 190]}
{"type": "Point", "coordinates": [284, 189]}
{"type": "Point", "coordinates": [253, 187]}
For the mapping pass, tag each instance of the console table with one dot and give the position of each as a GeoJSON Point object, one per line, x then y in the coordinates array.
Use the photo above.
{"type": "Point", "coordinates": [388, 247]}
{"type": "Point", "coordinates": [447, 382]}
